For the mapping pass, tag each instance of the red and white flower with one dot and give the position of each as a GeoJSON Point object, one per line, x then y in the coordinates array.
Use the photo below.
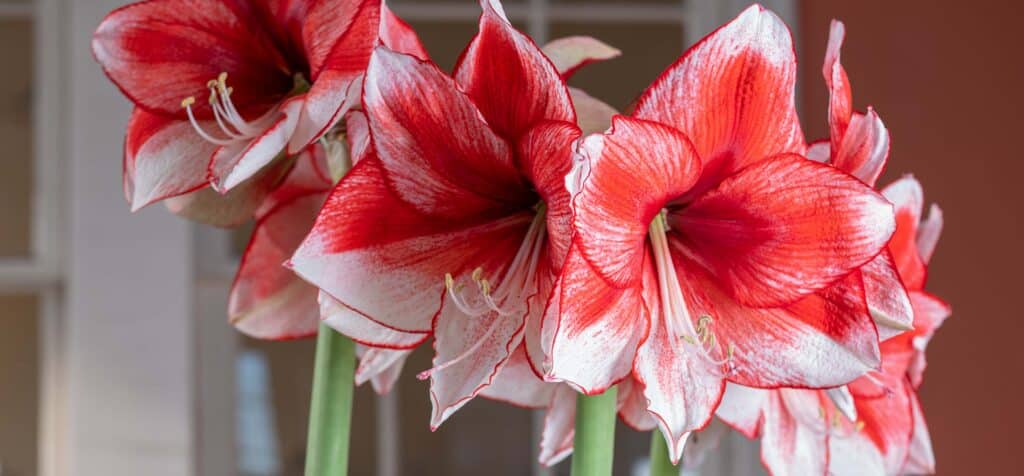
{"type": "Point", "coordinates": [708, 248]}
{"type": "Point", "coordinates": [223, 88]}
{"type": "Point", "coordinates": [455, 227]}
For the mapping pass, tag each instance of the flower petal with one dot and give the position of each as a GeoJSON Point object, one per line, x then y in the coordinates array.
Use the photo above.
{"type": "Point", "coordinates": [886, 296]}
{"type": "Point", "coordinates": [787, 445]}
{"type": "Point", "coordinates": [397, 35]}
{"type": "Point", "coordinates": [783, 228]}
{"type": "Point", "coordinates": [364, 330]}
{"type": "Point", "coordinates": [597, 329]}
{"type": "Point", "coordinates": [908, 198]}
{"type": "Point", "coordinates": [592, 114]}
{"type": "Point", "coordinates": [233, 208]}
{"type": "Point", "coordinates": [161, 52]}
{"type": "Point", "coordinates": [163, 158]}
{"type": "Point", "coordinates": [357, 131]}
{"type": "Point", "coordinates": [732, 94]}
{"type": "Point", "coordinates": [864, 149]}
{"type": "Point", "coordinates": [818, 151]}
{"type": "Point", "coordinates": [634, 171]}
{"type": "Point", "coordinates": [703, 443]}
{"type": "Point", "coordinates": [502, 63]}
{"type": "Point", "coordinates": [381, 367]}
{"type": "Point", "coordinates": [517, 384]}
{"type": "Point", "coordinates": [267, 300]}
{"type": "Point", "coordinates": [929, 313]}
{"type": "Point", "coordinates": [920, 456]}
{"type": "Point", "coordinates": [440, 155]}
{"type": "Point", "coordinates": [854, 456]}
{"type": "Point", "coordinates": [682, 387]}
{"type": "Point", "coordinates": [559, 427]}
{"type": "Point", "coordinates": [379, 256]}
{"type": "Point", "coordinates": [633, 406]}
{"type": "Point", "coordinates": [571, 53]}
{"type": "Point", "coordinates": [546, 153]}
{"type": "Point", "coordinates": [232, 165]}
{"type": "Point", "coordinates": [840, 105]}
{"type": "Point", "coordinates": [742, 407]}
{"type": "Point", "coordinates": [928, 233]}
{"type": "Point", "coordinates": [888, 424]}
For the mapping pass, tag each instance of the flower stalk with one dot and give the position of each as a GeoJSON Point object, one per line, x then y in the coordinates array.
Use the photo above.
{"type": "Point", "coordinates": [661, 462]}
{"type": "Point", "coordinates": [330, 413]}
{"type": "Point", "coordinates": [594, 440]}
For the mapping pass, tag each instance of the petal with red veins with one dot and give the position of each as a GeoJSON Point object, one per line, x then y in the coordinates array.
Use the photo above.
{"type": "Point", "coordinates": [920, 456]}
{"type": "Point", "coordinates": [818, 151]}
{"type": "Point", "coordinates": [592, 114]}
{"type": "Point", "coordinates": [559, 427]}
{"type": "Point", "coordinates": [854, 455]}
{"type": "Point", "coordinates": [908, 198]}
{"type": "Point", "coordinates": [682, 386]}
{"type": "Point", "coordinates": [307, 176]}
{"type": "Point", "coordinates": [364, 330]}
{"type": "Point", "coordinates": [826, 339]}
{"type": "Point", "coordinates": [517, 384]}
{"type": "Point", "coordinates": [742, 407]}
{"type": "Point", "coordinates": [540, 315]}
{"type": "Point", "coordinates": [703, 443]}
{"type": "Point", "coordinates": [888, 424]}
{"type": "Point", "coordinates": [928, 233]}
{"type": "Point", "coordinates": [267, 300]}
{"type": "Point", "coordinates": [339, 36]}
{"type": "Point", "coordinates": [439, 153]}
{"type": "Point", "coordinates": [161, 52]}
{"type": "Point", "coordinates": [571, 53]}
{"type": "Point", "coordinates": [634, 171]}
{"type": "Point", "coordinates": [929, 313]}
{"type": "Point", "coordinates": [840, 105]}
{"type": "Point", "coordinates": [546, 153]}
{"type": "Point", "coordinates": [233, 164]}
{"type": "Point", "coordinates": [377, 254]}
{"type": "Point", "coordinates": [381, 367]}
{"type": "Point", "coordinates": [357, 131]}
{"type": "Point", "coordinates": [886, 296]}
{"type": "Point", "coordinates": [597, 329]}
{"type": "Point", "coordinates": [788, 446]}
{"type": "Point", "coordinates": [163, 158]}
{"type": "Point", "coordinates": [632, 406]}
{"type": "Point", "coordinates": [733, 94]}
{"type": "Point", "coordinates": [783, 228]}
{"type": "Point", "coordinates": [397, 35]}
{"type": "Point", "coordinates": [864, 149]}
{"type": "Point", "coordinates": [502, 63]}
{"type": "Point", "coordinates": [233, 208]}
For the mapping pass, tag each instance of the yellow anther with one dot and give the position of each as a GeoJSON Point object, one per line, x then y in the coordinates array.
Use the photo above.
{"type": "Point", "coordinates": [185, 103]}
{"type": "Point", "coordinates": [222, 79]}
{"type": "Point", "coordinates": [835, 420]}
{"type": "Point", "coordinates": [211, 84]}
{"type": "Point", "coordinates": [449, 281]}
{"type": "Point", "coordinates": [477, 274]}
{"type": "Point", "coordinates": [859, 426]}
{"type": "Point", "coordinates": [485, 287]}
{"type": "Point", "coordinates": [689, 339]}
{"type": "Point", "coordinates": [821, 412]}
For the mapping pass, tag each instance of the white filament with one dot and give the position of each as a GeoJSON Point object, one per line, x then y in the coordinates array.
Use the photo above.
{"type": "Point", "coordinates": [230, 122]}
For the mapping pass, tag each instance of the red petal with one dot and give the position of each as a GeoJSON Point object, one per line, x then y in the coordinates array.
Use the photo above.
{"type": "Point", "coordinates": [741, 408]}
{"type": "Point", "coordinates": [928, 233]}
{"type": "Point", "coordinates": [357, 131]}
{"type": "Point", "coordinates": [397, 35]}
{"type": "Point", "coordinates": [633, 406]}
{"type": "Point", "coordinates": [267, 300]}
{"type": "Point", "coordinates": [840, 106]}
{"type": "Point", "coordinates": [571, 53]}
{"type": "Point", "coordinates": [592, 114]}
{"type": "Point", "coordinates": [789, 445]}
{"type": "Point", "coordinates": [682, 387]}
{"type": "Point", "coordinates": [703, 443]}
{"type": "Point", "coordinates": [906, 195]}
{"type": "Point", "coordinates": [920, 456]}
{"type": "Point", "coordinates": [597, 329]}
{"type": "Point", "coordinates": [818, 151]}
{"type": "Point", "coordinates": [234, 164]}
{"type": "Point", "coordinates": [888, 424]}
{"type": "Point", "coordinates": [733, 94]}
{"type": "Point", "coordinates": [161, 52]}
{"type": "Point", "coordinates": [634, 171]}
{"type": "Point", "coordinates": [381, 367]}
{"type": "Point", "coordinates": [163, 158]}
{"type": "Point", "coordinates": [887, 299]}
{"type": "Point", "coordinates": [440, 155]}
{"type": "Point", "coordinates": [307, 176]}
{"type": "Point", "coordinates": [559, 427]}
{"type": "Point", "coordinates": [864, 148]}
{"type": "Point", "coordinates": [929, 313]}
{"type": "Point", "coordinates": [546, 153]}
{"type": "Point", "coordinates": [235, 207]}
{"type": "Point", "coordinates": [517, 384]}
{"type": "Point", "coordinates": [783, 228]}
{"type": "Point", "coordinates": [502, 63]}
{"type": "Point", "coordinates": [364, 330]}
{"type": "Point", "coordinates": [375, 253]}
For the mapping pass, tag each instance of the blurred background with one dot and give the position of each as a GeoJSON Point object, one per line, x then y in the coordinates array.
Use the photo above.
{"type": "Point", "coordinates": [115, 354]}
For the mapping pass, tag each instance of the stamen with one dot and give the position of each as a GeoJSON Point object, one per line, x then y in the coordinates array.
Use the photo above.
{"type": "Point", "coordinates": [843, 401]}
{"type": "Point", "coordinates": [228, 119]}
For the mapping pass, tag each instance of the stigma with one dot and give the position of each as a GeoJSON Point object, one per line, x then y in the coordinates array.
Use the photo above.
{"type": "Point", "coordinates": [231, 126]}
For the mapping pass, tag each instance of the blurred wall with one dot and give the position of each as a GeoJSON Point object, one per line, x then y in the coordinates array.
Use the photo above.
{"type": "Point", "coordinates": [947, 77]}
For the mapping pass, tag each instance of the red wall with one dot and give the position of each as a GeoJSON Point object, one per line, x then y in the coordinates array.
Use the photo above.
{"type": "Point", "coordinates": [947, 77]}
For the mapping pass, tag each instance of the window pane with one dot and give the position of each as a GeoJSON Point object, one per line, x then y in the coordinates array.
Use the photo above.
{"type": "Point", "coordinates": [16, 137]}
{"type": "Point", "coordinates": [19, 379]}
{"type": "Point", "coordinates": [647, 50]}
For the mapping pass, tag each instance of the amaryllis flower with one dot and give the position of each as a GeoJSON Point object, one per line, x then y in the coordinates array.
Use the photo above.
{"type": "Point", "coordinates": [708, 248]}
{"type": "Point", "coordinates": [223, 87]}
{"type": "Point", "coordinates": [859, 145]}
{"type": "Point", "coordinates": [455, 227]}
{"type": "Point", "coordinates": [874, 425]}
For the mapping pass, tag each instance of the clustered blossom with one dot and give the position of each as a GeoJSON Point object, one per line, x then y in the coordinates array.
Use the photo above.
{"type": "Point", "coordinates": [698, 253]}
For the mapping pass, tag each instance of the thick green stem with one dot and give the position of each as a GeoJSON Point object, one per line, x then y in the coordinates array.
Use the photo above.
{"type": "Point", "coordinates": [330, 413]}
{"type": "Point", "coordinates": [594, 442]}
{"type": "Point", "coordinates": [661, 463]}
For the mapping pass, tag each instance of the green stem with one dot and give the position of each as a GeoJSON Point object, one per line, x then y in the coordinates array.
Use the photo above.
{"type": "Point", "coordinates": [594, 442]}
{"type": "Point", "coordinates": [661, 463]}
{"type": "Point", "coordinates": [330, 413]}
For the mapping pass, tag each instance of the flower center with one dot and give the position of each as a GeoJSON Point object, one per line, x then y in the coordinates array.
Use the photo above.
{"type": "Point", "coordinates": [232, 126]}
{"type": "Point", "coordinates": [675, 313]}
{"type": "Point", "coordinates": [508, 297]}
